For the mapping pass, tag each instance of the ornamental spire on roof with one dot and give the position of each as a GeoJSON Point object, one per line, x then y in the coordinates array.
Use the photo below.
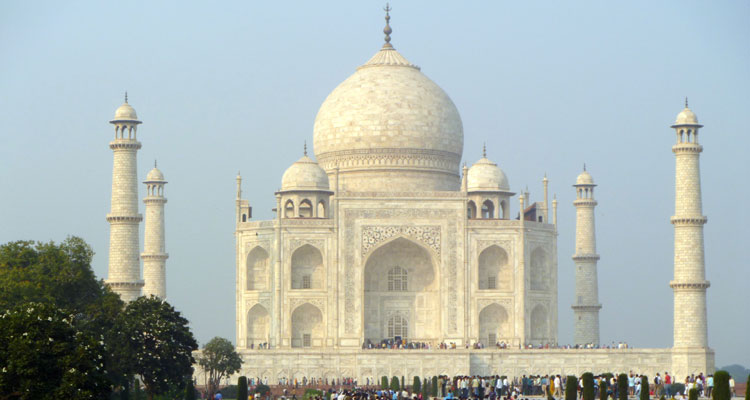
{"type": "Point", "coordinates": [387, 30]}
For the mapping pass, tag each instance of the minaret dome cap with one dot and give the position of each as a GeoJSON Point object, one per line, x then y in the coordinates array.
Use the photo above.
{"type": "Point", "coordinates": [155, 176]}
{"type": "Point", "coordinates": [125, 113]}
{"type": "Point", "coordinates": [585, 179]}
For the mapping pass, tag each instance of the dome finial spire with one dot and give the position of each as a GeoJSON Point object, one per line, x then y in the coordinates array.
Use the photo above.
{"type": "Point", "coordinates": [126, 96]}
{"type": "Point", "coordinates": [584, 166]}
{"type": "Point", "coordinates": [686, 103]}
{"type": "Point", "coordinates": [484, 150]}
{"type": "Point", "coordinates": [387, 30]}
{"type": "Point", "coordinates": [305, 148]}
{"type": "Point", "coordinates": [154, 163]}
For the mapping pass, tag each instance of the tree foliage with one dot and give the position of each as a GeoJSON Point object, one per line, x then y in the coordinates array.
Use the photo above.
{"type": "Point", "coordinates": [160, 344]}
{"type": "Point", "coordinates": [242, 388]}
{"type": "Point", "coordinates": [219, 360]}
{"type": "Point", "coordinates": [45, 356]}
{"type": "Point", "coordinates": [416, 386]}
{"type": "Point", "coordinates": [721, 386]}
{"type": "Point", "coordinates": [622, 387]}
{"type": "Point", "coordinates": [693, 394]}
{"type": "Point", "coordinates": [189, 390]}
{"type": "Point", "coordinates": [604, 388]}
{"type": "Point", "coordinates": [588, 386]}
{"type": "Point", "coordinates": [394, 384]}
{"type": "Point", "coordinates": [571, 388]}
{"type": "Point", "coordinates": [384, 382]}
{"type": "Point", "coordinates": [747, 388]}
{"type": "Point", "coordinates": [645, 389]}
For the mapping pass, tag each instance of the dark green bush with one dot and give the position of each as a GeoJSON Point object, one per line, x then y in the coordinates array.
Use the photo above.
{"type": "Point", "coordinates": [229, 392]}
{"type": "Point", "coordinates": [416, 387]}
{"type": "Point", "coordinates": [262, 389]}
{"type": "Point", "coordinates": [622, 387]}
{"type": "Point", "coordinates": [190, 390]}
{"type": "Point", "coordinates": [434, 388]}
{"type": "Point", "coordinates": [721, 386]}
{"type": "Point", "coordinates": [310, 394]}
{"type": "Point", "coordinates": [394, 384]}
{"type": "Point", "coordinates": [677, 388]}
{"type": "Point", "coordinates": [645, 395]}
{"type": "Point", "coordinates": [571, 388]}
{"type": "Point", "coordinates": [384, 382]}
{"type": "Point", "coordinates": [693, 394]}
{"type": "Point", "coordinates": [242, 388]}
{"type": "Point", "coordinates": [747, 389]}
{"type": "Point", "coordinates": [588, 386]}
{"type": "Point", "coordinates": [425, 388]}
{"type": "Point", "coordinates": [603, 387]}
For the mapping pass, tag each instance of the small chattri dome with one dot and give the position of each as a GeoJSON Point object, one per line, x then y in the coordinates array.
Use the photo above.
{"type": "Point", "coordinates": [305, 174]}
{"type": "Point", "coordinates": [485, 175]}
{"type": "Point", "coordinates": [155, 176]}
{"type": "Point", "coordinates": [584, 178]}
{"type": "Point", "coordinates": [125, 113]}
{"type": "Point", "coordinates": [686, 117]}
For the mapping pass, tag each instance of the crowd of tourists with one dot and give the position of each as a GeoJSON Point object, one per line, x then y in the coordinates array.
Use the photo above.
{"type": "Point", "coordinates": [402, 344]}
{"type": "Point", "coordinates": [498, 387]}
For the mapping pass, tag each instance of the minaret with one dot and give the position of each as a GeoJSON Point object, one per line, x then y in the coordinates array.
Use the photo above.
{"type": "Point", "coordinates": [154, 257]}
{"type": "Point", "coordinates": [586, 307]}
{"type": "Point", "coordinates": [689, 284]}
{"type": "Point", "coordinates": [124, 275]}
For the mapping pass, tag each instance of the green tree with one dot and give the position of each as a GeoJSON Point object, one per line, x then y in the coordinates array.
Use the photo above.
{"type": "Point", "coordinates": [645, 390]}
{"type": "Point", "coordinates": [425, 388]}
{"type": "Point", "coordinates": [403, 384]}
{"type": "Point", "coordinates": [160, 344]}
{"type": "Point", "coordinates": [384, 382]}
{"type": "Point", "coordinates": [622, 387]}
{"type": "Point", "coordinates": [416, 387]}
{"type": "Point", "coordinates": [434, 386]}
{"type": "Point", "coordinates": [721, 386]}
{"type": "Point", "coordinates": [603, 388]}
{"type": "Point", "coordinates": [394, 384]}
{"type": "Point", "coordinates": [61, 275]}
{"type": "Point", "coordinates": [218, 360]}
{"type": "Point", "coordinates": [588, 386]}
{"type": "Point", "coordinates": [189, 390]}
{"type": "Point", "coordinates": [242, 388]}
{"type": "Point", "coordinates": [747, 388]}
{"type": "Point", "coordinates": [571, 388]}
{"type": "Point", "coordinates": [693, 394]}
{"type": "Point", "coordinates": [45, 356]}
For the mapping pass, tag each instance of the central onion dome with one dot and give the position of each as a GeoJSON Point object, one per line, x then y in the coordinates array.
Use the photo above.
{"type": "Point", "coordinates": [389, 128]}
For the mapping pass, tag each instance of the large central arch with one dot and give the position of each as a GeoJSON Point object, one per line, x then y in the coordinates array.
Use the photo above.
{"type": "Point", "coordinates": [401, 284]}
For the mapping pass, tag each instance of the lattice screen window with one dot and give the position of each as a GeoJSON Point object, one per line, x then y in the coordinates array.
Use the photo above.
{"type": "Point", "coordinates": [492, 282]}
{"type": "Point", "coordinates": [397, 280]}
{"type": "Point", "coordinates": [398, 326]}
{"type": "Point", "coordinates": [306, 282]}
{"type": "Point", "coordinates": [306, 340]}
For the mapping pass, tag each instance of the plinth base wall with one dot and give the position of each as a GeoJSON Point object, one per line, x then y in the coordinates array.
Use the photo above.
{"type": "Point", "coordinates": [686, 361]}
{"type": "Point", "coordinates": [373, 364]}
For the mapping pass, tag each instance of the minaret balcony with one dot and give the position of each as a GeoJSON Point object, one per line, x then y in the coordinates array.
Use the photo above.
{"type": "Point", "coordinates": [687, 148]}
{"type": "Point", "coordinates": [154, 200]}
{"type": "Point", "coordinates": [586, 257]}
{"type": "Point", "coordinates": [688, 220]}
{"type": "Point", "coordinates": [592, 307]}
{"type": "Point", "coordinates": [129, 284]}
{"type": "Point", "coordinates": [124, 144]}
{"type": "Point", "coordinates": [699, 286]}
{"type": "Point", "coordinates": [124, 218]}
{"type": "Point", "coordinates": [154, 256]}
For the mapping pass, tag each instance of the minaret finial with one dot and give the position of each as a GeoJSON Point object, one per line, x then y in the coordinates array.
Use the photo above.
{"type": "Point", "coordinates": [126, 96]}
{"type": "Point", "coordinates": [584, 166]}
{"type": "Point", "coordinates": [686, 104]}
{"type": "Point", "coordinates": [154, 163]}
{"type": "Point", "coordinates": [484, 150]}
{"type": "Point", "coordinates": [387, 30]}
{"type": "Point", "coordinates": [305, 148]}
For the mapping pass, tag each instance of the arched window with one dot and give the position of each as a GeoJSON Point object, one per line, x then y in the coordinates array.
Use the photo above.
{"type": "Point", "coordinates": [305, 209]}
{"type": "Point", "coordinates": [398, 326]}
{"type": "Point", "coordinates": [503, 211]}
{"type": "Point", "coordinates": [397, 278]}
{"type": "Point", "coordinates": [322, 209]}
{"type": "Point", "coordinates": [488, 210]}
{"type": "Point", "coordinates": [289, 209]}
{"type": "Point", "coordinates": [471, 210]}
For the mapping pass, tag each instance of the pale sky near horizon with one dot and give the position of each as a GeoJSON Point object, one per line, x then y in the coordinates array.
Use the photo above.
{"type": "Point", "coordinates": [229, 86]}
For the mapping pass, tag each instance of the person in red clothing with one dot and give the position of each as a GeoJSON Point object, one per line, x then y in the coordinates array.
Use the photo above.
{"type": "Point", "coordinates": [668, 384]}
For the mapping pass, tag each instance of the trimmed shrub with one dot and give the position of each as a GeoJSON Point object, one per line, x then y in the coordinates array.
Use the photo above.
{"type": "Point", "coordinates": [603, 388]}
{"type": "Point", "coordinates": [394, 384]}
{"type": "Point", "coordinates": [416, 387]}
{"type": "Point", "coordinates": [622, 387]}
{"type": "Point", "coordinates": [645, 390]}
{"type": "Point", "coordinates": [309, 394]}
{"type": "Point", "coordinates": [190, 390]}
{"type": "Point", "coordinates": [747, 388]}
{"type": "Point", "coordinates": [721, 386]}
{"type": "Point", "coordinates": [263, 389]}
{"type": "Point", "coordinates": [384, 382]}
{"type": "Point", "coordinates": [571, 388]}
{"type": "Point", "coordinates": [434, 388]}
{"type": "Point", "coordinates": [588, 386]}
{"type": "Point", "coordinates": [242, 388]}
{"type": "Point", "coordinates": [693, 394]}
{"type": "Point", "coordinates": [425, 388]}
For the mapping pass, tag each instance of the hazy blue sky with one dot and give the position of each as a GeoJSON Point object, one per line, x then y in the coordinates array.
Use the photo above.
{"type": "Point", "coordinates": [228, 86]}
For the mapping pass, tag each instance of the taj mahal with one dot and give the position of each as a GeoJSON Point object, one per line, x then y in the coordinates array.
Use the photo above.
{"type": "Point", "coordinates": [381, 235]}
